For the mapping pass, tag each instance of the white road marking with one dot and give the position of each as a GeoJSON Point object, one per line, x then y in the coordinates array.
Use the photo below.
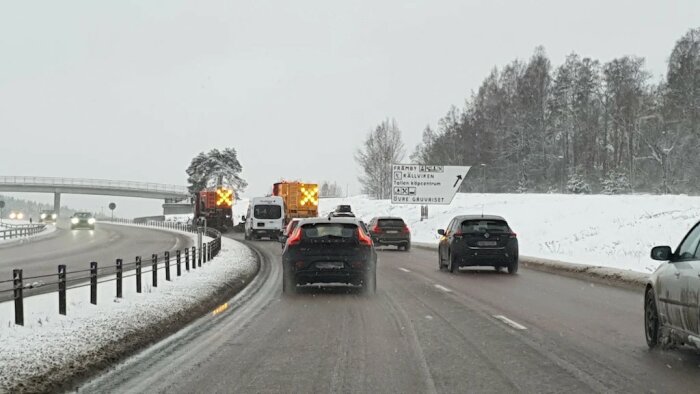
{"type": "Point", "coordinates": [509, 322]}
{"type": "Point", "coordinates": [443, 288]}
{"type": "Point", "coordinates": [404, 269]}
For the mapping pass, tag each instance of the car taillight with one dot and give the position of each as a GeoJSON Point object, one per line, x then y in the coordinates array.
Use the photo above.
{"type": "Point", "coordinates": [406, 230]}
{"type": "Point", "coordinates": [376, 229]}
{"type": "Point", "coordinates": [363, 238]}
{"type": "Point", "coordinates": [513, 235]}
{"type": "Point", "coordinates": [458, 234]}
{"type": "Point", "coordinates": [295, 238]}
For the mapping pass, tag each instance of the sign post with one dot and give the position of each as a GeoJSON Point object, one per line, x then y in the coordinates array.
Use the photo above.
{"type": "Point", "coordinates": [426, 184]}
{"type": "Point", "coordinates": [112, 207]}
{"type": "Point", "coordinates": [2, 205]}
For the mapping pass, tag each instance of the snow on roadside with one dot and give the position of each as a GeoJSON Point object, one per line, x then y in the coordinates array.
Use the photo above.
{"type": "Point", "coordinates": [49, 229]}
{"type": "Point", "coordinates": [600, 230]}
{"type": "Point", "coordinates": [49, 340]}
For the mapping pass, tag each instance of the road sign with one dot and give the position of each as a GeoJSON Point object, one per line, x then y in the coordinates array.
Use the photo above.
{"type": "Point", "coordinates": [112, 206]}
{"type": "Point", "coordinates": [424, 184]}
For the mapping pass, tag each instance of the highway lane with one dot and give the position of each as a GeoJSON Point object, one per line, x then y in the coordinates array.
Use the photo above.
{"type": "Point", "coordinates": [424, 331]}
{"type": "Point", "coordinates": [77, 248]}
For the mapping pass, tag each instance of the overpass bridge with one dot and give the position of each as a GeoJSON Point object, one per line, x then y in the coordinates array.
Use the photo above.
{"type": "Point", "coordinates": [104, 187]}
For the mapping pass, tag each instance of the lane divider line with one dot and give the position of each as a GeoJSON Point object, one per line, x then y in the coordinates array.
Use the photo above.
{"type": "Point", "coordinates": [443, 288]}
{"type": "Point", "coordinates": [404, 269]}
{"type": "Point", "coordinates": [509, 322]}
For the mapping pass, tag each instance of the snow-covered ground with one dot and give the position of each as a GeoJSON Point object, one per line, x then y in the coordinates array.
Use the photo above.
{"type": "Point", "coordinates": [600, 230]}
{"type": "Point", "coordinates": [50, 228]}
{"type": "Point", "coordinates": [183, 218]}
{"type": "Point", "coordinates": [49, 340]}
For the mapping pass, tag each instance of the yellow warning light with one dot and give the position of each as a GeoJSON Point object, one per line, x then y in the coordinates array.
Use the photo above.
{"type": "Point", "coordinates": [309, 196]}
{"type": "Point", "coordinates": [224, 197]}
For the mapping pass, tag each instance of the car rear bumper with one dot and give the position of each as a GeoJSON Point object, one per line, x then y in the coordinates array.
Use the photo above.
{"type": "Point", "coordinates": [271, 233]}
{"type": "Point", "coordinates": [382, 239]}
{"type": "Point", "coordinates": [311, 274]}
{"type": "Point", "coordinates": [484, 256]}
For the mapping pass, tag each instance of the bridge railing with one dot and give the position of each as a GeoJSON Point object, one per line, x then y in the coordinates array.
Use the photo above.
{"type": "Point", "coordinates": [95, 183]}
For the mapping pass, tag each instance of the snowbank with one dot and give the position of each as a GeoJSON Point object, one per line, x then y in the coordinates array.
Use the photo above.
{"type": "Point", "coordinates": [49, 229]}
{"type": "Point", "coordinates": [55, 347]}
{"type": "Point", "coordinates": [600, 230]}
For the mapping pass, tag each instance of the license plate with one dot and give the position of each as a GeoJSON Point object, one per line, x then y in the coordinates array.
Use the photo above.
{"type": "Point", "coordinates": [330, 266]}
{"type": "Point", "coordinates": [486, 243]}
{"type": "Point", "coordinates": [392, 231]}
{"type": "Point", "coordinates": [261, 224]}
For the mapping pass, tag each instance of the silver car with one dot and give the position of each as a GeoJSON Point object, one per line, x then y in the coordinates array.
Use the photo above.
{"type": "Point", "coordinates": [672, 297]}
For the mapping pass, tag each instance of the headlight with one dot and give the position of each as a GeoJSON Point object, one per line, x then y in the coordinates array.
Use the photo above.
{"type": "Point", "coordinates": [43, 216]}
{"type": "Point", "coordinates": [13, 215]}
{"type": "Point", "coordinates": [74, 220]}
{"type": "Point", "coordinates": [20, 216]}
{"type": "Point", "coordinates": [91, 221]}
{"type": "Point", "coordinates": [54, 216]}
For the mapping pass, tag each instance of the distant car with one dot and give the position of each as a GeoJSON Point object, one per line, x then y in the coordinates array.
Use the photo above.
{"type": "Point", "coordinates": [48, 216]}
{"type": "Point", "coordinates": [289, 230]}
{"type": "Point", "coordinates": [671, 297]}
{"type": "Point", "coordinates": [478, 240]}
{"type": "Point", "coordinates": [342, 211]}
{"type": "Point", "coordinates": [329, 250]}
{"type": "Point", "coordinates": [343, 208]}
{"type": "Point", "coordinates": [82, 220]}
{"type": "Point", "coordinates": [389, 230]}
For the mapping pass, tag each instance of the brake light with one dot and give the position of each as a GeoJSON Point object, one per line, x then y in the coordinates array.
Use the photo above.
{"type": "Point", "coordinates": [458, 233]}
{"type": "Point", "coordinates": [295, 238]}
{"type": "Point", "coordinates": [364, 238]}
{"type": "Point", "coordinates": [376, 229]}
{"type": "Point", "coordinates": [513, 235]}
{"type": "Point", "coordinates": [406, 230]}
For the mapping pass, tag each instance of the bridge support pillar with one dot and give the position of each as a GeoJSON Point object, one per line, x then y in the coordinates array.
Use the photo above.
{"type": "Point", "coordinates": [57, 203]}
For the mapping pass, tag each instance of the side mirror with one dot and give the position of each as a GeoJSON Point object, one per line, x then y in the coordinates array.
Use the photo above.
{"type": "Point", "coordinates": [243, 218]}
{"type": "Point", "coordinates": [441, 232]}
{"type": "Point", "coordinates": [661, 253]}
{"type": "Point", "coordinates": [282, 239]}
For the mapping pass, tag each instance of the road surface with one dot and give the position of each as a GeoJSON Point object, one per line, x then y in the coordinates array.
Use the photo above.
{"type": "Point", "coordinates": [424, 331]}
{"type": "Point", "coordinates": [77, 248]}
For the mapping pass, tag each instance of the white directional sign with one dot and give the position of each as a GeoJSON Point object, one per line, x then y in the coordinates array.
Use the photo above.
{"type": "Point", "coordinates": [419, 184]}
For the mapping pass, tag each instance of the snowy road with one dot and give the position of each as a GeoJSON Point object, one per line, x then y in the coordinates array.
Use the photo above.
{"type": "Point", "coordinates": [424, 331]}
{"type": "Point", "coordinates": [77, 248]}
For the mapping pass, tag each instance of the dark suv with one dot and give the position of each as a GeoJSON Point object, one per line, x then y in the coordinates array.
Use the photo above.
{"type": "Point", "coordinates": [478, 240]}
{"type": "Point", "coordinates": [388, 230]}
{"type": "Point", "coordinates": [329, 250]}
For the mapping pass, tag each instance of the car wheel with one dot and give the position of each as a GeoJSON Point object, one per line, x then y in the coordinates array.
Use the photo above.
{"type": "Point", "coordinates": [440, 265]}
{"type": "Point", "coordinates": [289, 283]}
{"type": "Point", "coordinates": [651, 319]}
{"type": "Point", "coordinates": [246, 236]}
{"type": "Point", "coordinates": [513, 267]}
{"type": "Point", "coordinates": [407, 247]}
{"type": "Point", "coordinates": [369, 284]}
{"type": "Point", "coordinates": [454, 267]}
{"type": "Point", "coordinates": [497, 268]}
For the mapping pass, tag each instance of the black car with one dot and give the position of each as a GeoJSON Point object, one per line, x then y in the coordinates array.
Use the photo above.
{"type": "Point", "coordinates": [48, 216]}
{"type": "Point", "coordinates": [329, 250]}
{"type": "Point", "coordinates": [389, 230]}
{"type": "Point", "coordinates": [82, 220]}
{"type": "Point", "coordinates": [478, 240]}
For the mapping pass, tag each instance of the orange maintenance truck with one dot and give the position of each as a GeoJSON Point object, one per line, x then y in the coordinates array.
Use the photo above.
{"type": "Point", "coordinates": [300, 199]}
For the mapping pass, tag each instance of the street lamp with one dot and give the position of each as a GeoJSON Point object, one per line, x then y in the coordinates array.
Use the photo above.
{"type": "Point", "coordinates": [483, 178]}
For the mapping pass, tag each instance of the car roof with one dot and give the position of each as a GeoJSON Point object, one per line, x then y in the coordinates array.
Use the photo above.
{"type": "Point", "coordinates": [334, 219]}
{"type": "Point", "coordinates": [476, 217]}
{"type": "Point", "coordinates": [387, 218]}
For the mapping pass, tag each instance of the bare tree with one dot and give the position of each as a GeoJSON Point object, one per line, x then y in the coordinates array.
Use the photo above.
{"type": "Point", "coordinates": [382, 148]}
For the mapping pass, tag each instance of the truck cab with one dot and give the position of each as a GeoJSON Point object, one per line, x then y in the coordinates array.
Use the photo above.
{"type": "Point", "coordinates": [265, 218]}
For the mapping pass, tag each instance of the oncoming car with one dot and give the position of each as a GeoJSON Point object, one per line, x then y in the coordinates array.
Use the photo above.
{"type": "Point", "coordinates": [478, 240]}
{"type": "Point", "coordinates": [671, 311]}
{"type": "Point", "coordinates": [82, 220]}
{"type": "Point", "coordinates": [329, 250]}
{"type": "Point", "coordinates": [48, 216]}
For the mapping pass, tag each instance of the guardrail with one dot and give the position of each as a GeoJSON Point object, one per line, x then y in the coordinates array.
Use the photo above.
{"type": "Point", "coordinates": [192, 257]}
{"type": "Point", "coordinates": [88, 182]}
{"type": "Point", "coordinates": [20, 230]}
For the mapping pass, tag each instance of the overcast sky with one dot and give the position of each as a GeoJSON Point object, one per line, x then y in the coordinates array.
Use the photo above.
{"type": "Point", "coordinates": [134, 89]}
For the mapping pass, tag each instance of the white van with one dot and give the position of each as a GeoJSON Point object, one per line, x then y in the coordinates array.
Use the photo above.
{"type": "Point", "coordinates": [265, 218]}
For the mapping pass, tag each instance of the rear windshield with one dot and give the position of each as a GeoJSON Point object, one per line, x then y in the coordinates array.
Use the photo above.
{"type": "Point", "coordinates": [390, 223]}
{"type": "Point", "coordinates": [83, 215]}
{"type": "Point", "coordinates": [485, 226]}
{"type": "Point", "coordinates": [264, 211]}
{"type": "Point", "coordinates": [332, 230]}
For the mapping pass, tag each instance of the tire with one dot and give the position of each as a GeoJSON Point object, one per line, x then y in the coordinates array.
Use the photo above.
{"type": "Point", "coordinates": [453, 267]}
{"type": "Point", "coordinates": [246, 236]}
{"type": "Point", "coordinates": [651, 319]}
{"type": "Point", "coordinates": [369, 283]}
{"type": "Point", "coordinates": [289, 283]}
{"type": "Point", "coordinates": [513, 267]}
{"type": "Point", "coordinates": [497, 268]}
{"type": "Point", "coordinates": [440, 265]}
{"type": "Point", "coordinates": [407, 247]}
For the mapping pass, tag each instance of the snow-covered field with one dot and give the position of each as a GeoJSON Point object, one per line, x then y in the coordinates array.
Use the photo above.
{"type": "Point", "coordinates": [49, 340]}
{"type": "Point", "coordinates": [600, 230]}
